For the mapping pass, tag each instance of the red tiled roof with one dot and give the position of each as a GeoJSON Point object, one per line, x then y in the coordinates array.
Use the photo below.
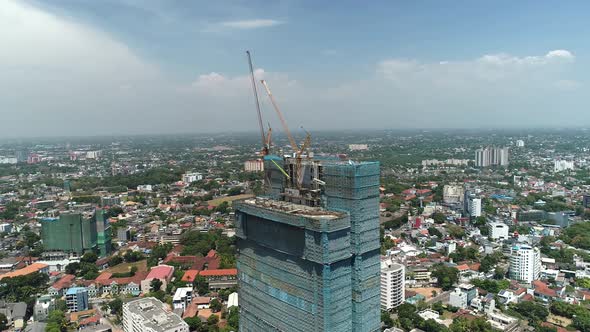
{"type": "Point", "coordinates": [104, 276]}
{"type": "Point", "coordinates": [201, 300]}
{"type": "Point", "coordinates": [177, 249]}
{"type": "Point", "coordinates": [64, 282]}
{"type": "Point", "coordinates": [527, 297]}
{"type": "Point", "coordinates": [190, 275]}
{"type": "Point", "coordinates": [160, 272]}
{"type": "Point", "coordinates": [197, 263]}
{"type": "Point", "coordinates": [35, 267]}
{"type": "Point", "coordinates": [219, 272]}
{"type": "Point", "coordinates": [519, 291]}
{"type": "Point", "coordinates": [543, 289]}
{"type": "Point", "coordinates": [586, 294]}
{"type": "Point", "coordinates": [422, 191]}
{"type": "Point", "coordinates": [191, 310]}
{"type": "Point", "coordinates": [90, 320]}
{"type": "Point", "coordinates": [463, 267]}
{"type": "Point", "coordinates": [474, 266]}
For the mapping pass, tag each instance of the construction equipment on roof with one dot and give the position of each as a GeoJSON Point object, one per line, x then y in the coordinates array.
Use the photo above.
{"type": "Point", "coordinates": [297, 149]}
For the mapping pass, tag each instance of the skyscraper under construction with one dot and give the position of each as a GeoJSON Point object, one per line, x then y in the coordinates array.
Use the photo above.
{"type": "Point", "coordinates": [309, 250]}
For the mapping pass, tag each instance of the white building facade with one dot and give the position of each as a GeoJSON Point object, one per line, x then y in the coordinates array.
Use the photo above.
{"type": "Point", "coordinates": [498, 230]}
{"type": "Point", "coordinates": [525, 263]}
{"type": "Point", "coordinates": [191, 177]}
{"type": "Point", "coordinates": [392, 284]}
{"type": "Point", "coordinates": [491, 157]}
{"type": "Point", "coordinates": [475, 207]}
{"type": "Point", "coordinates": [182, 298]}
{"type": "Point", "coordinates": [254, 165]}
{"type": "Point", "coordinates": [563, 165]}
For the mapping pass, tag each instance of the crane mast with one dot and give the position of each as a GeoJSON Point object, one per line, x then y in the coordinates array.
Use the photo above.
{"type": "Point", "coordinates": [298, 171]}
{"type": "Point", "coordinates": [283, 122]}
{"type": "Point", "coordinates": [265, 140]}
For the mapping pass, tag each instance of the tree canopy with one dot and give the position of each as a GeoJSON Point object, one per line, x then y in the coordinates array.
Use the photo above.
{"type": "Point", "coordinates": [446, 276]}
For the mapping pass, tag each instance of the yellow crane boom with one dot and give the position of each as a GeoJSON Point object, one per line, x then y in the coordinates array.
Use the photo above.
{"type": "Point", "coordinates": [283, 122]}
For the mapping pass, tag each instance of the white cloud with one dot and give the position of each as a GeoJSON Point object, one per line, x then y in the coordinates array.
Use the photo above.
{"type": "Point", "coordinates": [560, 54]}
{"type": "Point", "coordinates": [215, 84]}
{"type": "Point", "coordinates": [481, 92]}
{"type": "Point", "coordinates": [32, 38]}
{"type": "Point", "coordinates": [488, 68]}
{"type": "Point", "coordinates": [56, 71]}
{"type": "Point", "coordinates": [251, 24]}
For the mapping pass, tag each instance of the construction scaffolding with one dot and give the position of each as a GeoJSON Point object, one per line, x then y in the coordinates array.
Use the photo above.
{"type": "Point", "coordinates": [308, 268]}
{"type": "Point", "coordinates": [294, 267]}
{"type": "Point", "coordinates": [354, 188]}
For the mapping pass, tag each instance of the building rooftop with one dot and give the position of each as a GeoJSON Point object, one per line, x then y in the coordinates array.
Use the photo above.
{"type": "Point", "coordinates": [190, 275]}
{"type": "Point", "coordinates": [75, 290]}
{"type": "Point", "coordinates": [154, 314]}
{"type": "Point", "coordinates": [35, 267]}
{"type": "Point", "coordinates": [64, 282]}
{"type": "Point", "coordinates": [219, 272]}
{"type": "Point", "coordinates": [181, 293]}
{"type": "Point", "coordinates": [295, 209]}
{"type": "Point", "coordinates": [160, 272]}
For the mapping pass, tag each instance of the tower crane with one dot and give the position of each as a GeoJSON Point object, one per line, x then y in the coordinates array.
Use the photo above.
{"type": "Point", "coordinates": [298, 149]}
{"type": "Point", "coordinates": [283, 122]}
{"type": "Point", "coordinates": [265, 138]}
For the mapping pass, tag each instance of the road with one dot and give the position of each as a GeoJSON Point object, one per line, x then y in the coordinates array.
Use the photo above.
{"type": "Point", "coordinates": [443, 297]}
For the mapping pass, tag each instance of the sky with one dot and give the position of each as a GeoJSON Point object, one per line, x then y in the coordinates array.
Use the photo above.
{"type": "Point", "coordinates": [112, 67]}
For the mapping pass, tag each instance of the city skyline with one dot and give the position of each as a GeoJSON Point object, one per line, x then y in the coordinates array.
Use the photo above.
{"type": "Point", "coordinates": [140, 67]}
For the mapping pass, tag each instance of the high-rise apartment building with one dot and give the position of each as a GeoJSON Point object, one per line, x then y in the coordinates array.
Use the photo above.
{"type": "Point", "coordinates": [392, 284]}
{"type": "Point", "coordinates": [77, 233]}
{"type": "Point", "coordinates": [21, 155]}
{"type": "Point", "coordinates": [309, 252]}
{"type": "Point", "coordinates": [151, 315]}
{"type": "Point", "coordinates": [475, 207]}
{"type": "Point", "coordinates": [103, 234]}
{"type": "Point", "coordinates": [560, 165]}
{"type": "Point", "coordinates": [491, 157]}
{"type": "Point", "coordinates": [256, 165]}
{"type": "Point", "coordinates": [453, 193]}
{"type": "Point", "coordinates": [525, 263]}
